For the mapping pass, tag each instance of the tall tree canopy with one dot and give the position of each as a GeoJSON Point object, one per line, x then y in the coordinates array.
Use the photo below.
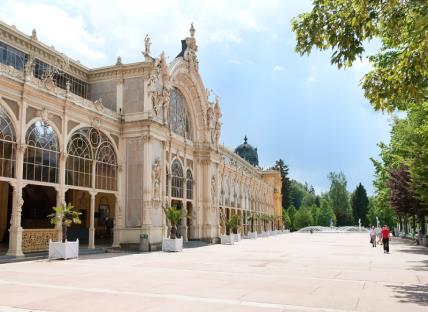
{"type": "Point", "coordinates": [399, 77]}
{"type": "Point", "coordinates": [285, 188]}
{"type": "Point", "coordinates": [327, 216]}
{"type": "Point", "coordinates": [339, 198]}
{"type": "Point", "coordinates": [402, 171]}
{"type": "Point", "coordinates": [360, 204]}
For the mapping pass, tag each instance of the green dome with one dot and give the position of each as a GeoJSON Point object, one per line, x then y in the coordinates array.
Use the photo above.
{"type": "Point", "coordinates": [248, 152]}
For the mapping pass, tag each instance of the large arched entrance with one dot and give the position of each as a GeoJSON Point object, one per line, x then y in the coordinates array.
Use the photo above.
{"type": "Point", "coordinates": [91, 179]}
{"type": "Point", "coordinates": [41, 179]}
{"type": "Point", "coordinates": [7, 173]}
{"type": "Point", "coordinates": [5, 213]}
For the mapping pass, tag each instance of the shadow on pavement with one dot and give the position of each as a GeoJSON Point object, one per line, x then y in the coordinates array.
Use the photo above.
{"type": "Point", "coordinates": [419, 265]}
{"type": "Point", "coordinates": [411, 293]}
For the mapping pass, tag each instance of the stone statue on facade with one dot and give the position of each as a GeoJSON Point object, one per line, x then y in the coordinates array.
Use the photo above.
{"type": "Point", "coordinates": [147, 44]}
{"type": "Point", "coordinates": [213, 121]}
{"type": "Point", "coordinates": [28, 68]}
{"type": "Point", "coordinates": [213, 191]}
{"type": "Point", "coordinates": [159, 88]}
{"type": "Point", "coordinates": [156, 177]}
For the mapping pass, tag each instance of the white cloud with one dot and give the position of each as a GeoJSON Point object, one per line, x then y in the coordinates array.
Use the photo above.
{"type": "Point", "coordinates": [55, 27]}
{"type": "Point", "coordinates": [240, 61]}
{"type": "Point", "coordinates": [97, 31]}
{"type": "Point", "coordinates": [311, 79]}
{"type": "Point", "coordinates": [278, 68]}
{"type": "Point", "coordinates": [233, 61]}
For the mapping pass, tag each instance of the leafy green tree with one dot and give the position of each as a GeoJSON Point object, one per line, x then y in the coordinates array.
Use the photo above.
{"type": "Point", "coordinates": [65, 215]}
{"type": "Point", "coordinates": [297, 192]}
{"type": "Point", "coordinates": [360, 204]}
{"type": "Point", "coordinates": [402, 170]}
{"type": "Point", "coordinates": [303, 218]}
{"type": "Point", "coordinates": [315, 212]}
{"type": "Point", "coordinates": [285, 188]}
{"type": "Point", "coordinates": [326, 213]}
{"type": "Point", "coordinates": [384, 213]}
{"type": "Point", "coordinates": [291, 213]}
{"type": "Point", "coordinates": [339, 198]}
{"type": "Point", "coordinates": [174, 216]}
{"type": "Point", "coordinates": [286, 218]}
{"type": "Point", "coordinates": [400, 69]}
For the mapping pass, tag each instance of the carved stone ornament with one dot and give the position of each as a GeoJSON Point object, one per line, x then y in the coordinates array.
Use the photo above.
{"type": "Point", "coordinates": [213, 191]}
{"type": "Point", "coordinates": [159, 87]}
{"type": "Point", "coordinates": [44, 114]}
{"type": "Point", "coordinates": [156, 179]}
{"type": "Point", "coordinates": [96, 123]}
{"type": "Point", "coordinates": [99, 104]}
{"type": "Point", "coordinates": [34, 34]}
{"type": "Point", "coordinates": [190, 54]}
{"type": "Point", "coordinates": [48, 80]}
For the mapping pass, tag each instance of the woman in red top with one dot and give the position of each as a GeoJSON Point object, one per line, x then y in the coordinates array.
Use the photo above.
{"type": "Point", "coordinates": [385, 239]}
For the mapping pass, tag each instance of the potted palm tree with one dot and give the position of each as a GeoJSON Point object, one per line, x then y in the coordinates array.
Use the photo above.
{"type": "Point", "coordinates": [174, 216]}
{"type": "Point", "coordinates": [235, 228]}
{"type": "Point", "coordinates": [65, 215]}
{"type": "Point", "coordinates": [264, 219]}
{"type": "Point", "coordinates": [228, 239]}
{"type": "Point", "coordinates": [253, 232]}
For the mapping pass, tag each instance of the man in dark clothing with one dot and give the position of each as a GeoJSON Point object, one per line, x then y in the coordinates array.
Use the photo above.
{"type": "Point", "coordinates": [385, 239]}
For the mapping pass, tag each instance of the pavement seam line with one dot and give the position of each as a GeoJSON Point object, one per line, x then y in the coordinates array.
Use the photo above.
{"type": "Point", "coordinates": [275, 306]}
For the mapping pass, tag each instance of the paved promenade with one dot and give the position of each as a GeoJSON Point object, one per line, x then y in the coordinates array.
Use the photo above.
{"type": "Point", "coordinates": [289, 272]}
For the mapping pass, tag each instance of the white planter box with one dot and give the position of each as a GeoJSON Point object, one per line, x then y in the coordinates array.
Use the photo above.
{"type": "Point", "coordinates": [252, 235]}
{"type": "Point", "coordinates": [60, 250]}
{"type": "Point", "coordinates": [236, 237]}
{"type": "Point", "coordinates": [227, 239]}
{"type": "Point", "coordinates": [169, 244]}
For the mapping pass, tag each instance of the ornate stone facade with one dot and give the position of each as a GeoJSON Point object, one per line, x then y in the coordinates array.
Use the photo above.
{"type": "Point", "coordinates": [119, 142]}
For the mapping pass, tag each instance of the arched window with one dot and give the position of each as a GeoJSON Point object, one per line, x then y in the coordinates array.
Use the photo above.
{"type": "Point", "coordinates": [41, 154]}
{"type": "Point", "coordinates": [106, 167]}
{"type": "Point", "coordinates": [86, 146]}
{"type": "Point", "coordinates": [176, 179]}
{"type": "Point", "coordinates": [226, 192]}
{"type": "Point", "coordinates": [79, 161]}
{"type": "Point", "coordinates": [167, 181]}
{"type": "Point", "coordinates": [7, 146]}
{"type": "Point", "coordinates": [238, 195]}
{"type": "Point", "coordinates": [232, 193]}
{"type": "Point", "coordinates": [189, 184]}
{"type": "Point", "coordinates": [178, 117]}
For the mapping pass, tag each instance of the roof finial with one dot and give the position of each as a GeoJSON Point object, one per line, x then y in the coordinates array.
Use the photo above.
{"type": "Point", "coordinates": [245, 140]}
{"type": "Point", "coordinates": [192, 30]}
{"type": "Point", "coordinates": [34, 34]}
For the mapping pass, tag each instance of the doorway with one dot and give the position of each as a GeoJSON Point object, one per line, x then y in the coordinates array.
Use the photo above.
{"type": "Point", "coordinates": [5, 213]}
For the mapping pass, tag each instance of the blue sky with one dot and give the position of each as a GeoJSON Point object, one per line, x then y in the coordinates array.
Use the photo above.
{"type": "Point", "coordinates": [301, 109]}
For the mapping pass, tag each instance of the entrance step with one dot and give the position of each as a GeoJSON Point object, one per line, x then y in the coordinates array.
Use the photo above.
{"type": "Point", "coordinates": [195, 244]}
{"type": "Point", "coordinates": [44, 255]}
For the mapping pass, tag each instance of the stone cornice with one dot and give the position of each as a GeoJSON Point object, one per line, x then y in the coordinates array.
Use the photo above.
{"type": "Point", "coordinates": [119, 72]}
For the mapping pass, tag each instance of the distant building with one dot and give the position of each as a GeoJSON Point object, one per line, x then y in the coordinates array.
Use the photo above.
{"type": "Point", "coordinates": [118, 142]}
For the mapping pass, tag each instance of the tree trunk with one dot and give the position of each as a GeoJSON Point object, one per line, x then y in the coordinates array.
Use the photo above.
{"type": "Point", "coordinates": [173, 231]}
{"type": "Point", "coordinates": [64, 233]}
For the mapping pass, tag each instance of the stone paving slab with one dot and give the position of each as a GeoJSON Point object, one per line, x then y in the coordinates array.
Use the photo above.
{"type": "Point", "coordinates": [290, 272]}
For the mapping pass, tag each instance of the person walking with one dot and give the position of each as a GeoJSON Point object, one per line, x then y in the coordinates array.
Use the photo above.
{"type": "Point", "coordinates": [385, 239]}
{"type": "Point", "coordinates": [373, 236]}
